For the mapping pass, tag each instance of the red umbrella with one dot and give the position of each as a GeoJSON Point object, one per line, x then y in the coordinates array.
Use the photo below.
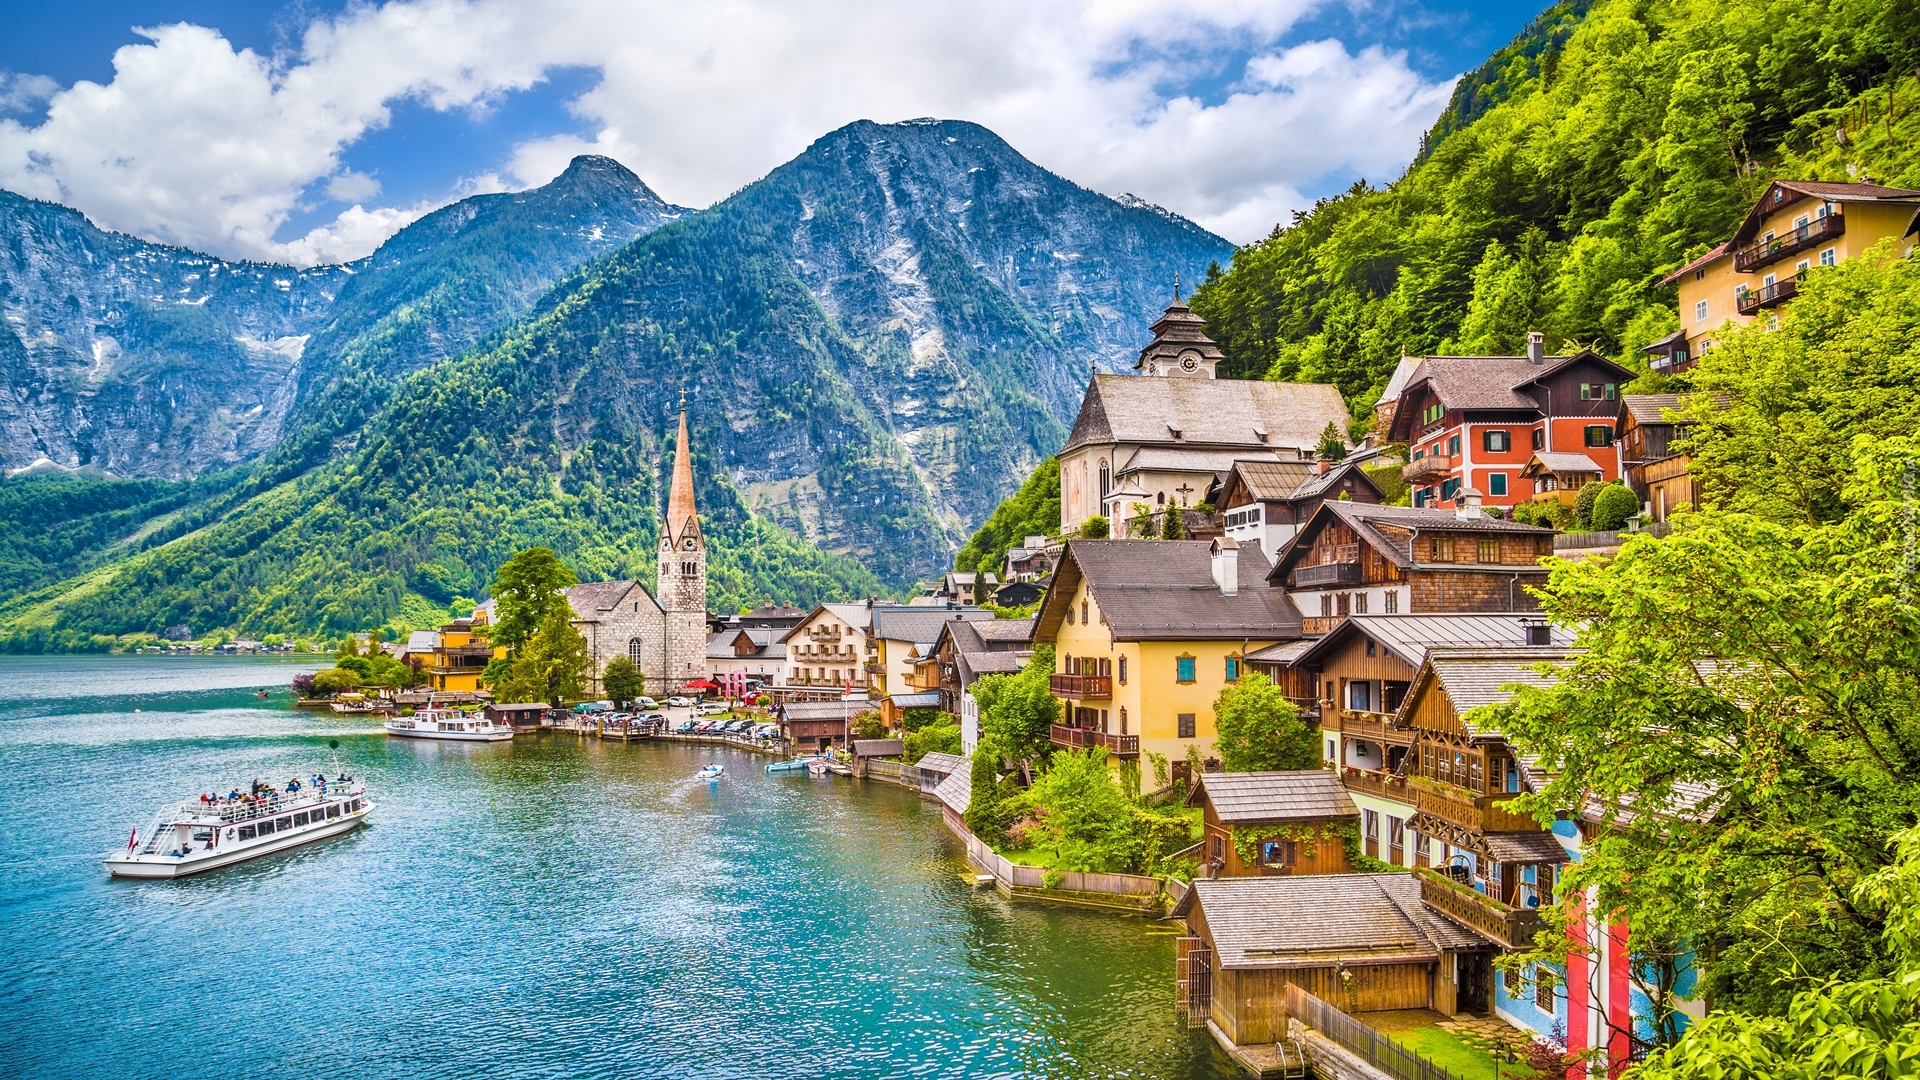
{"type": "Point", "coordinates": [703, 684]}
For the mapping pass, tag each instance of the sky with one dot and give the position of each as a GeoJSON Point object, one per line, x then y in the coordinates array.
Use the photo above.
{"type": "Point", "coordinates": [308, 132]}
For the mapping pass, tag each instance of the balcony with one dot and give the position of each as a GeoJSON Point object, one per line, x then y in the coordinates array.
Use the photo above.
{"type": "Point", "coordinates": [1477, 813]}
{"type": "Point", "coordinates": [1081, 687]}
{"type": "Point", "coordinates": [1316, 625]}
{"type": "Point", "coordinates": [1766, 252]}
{"type": "Point", "coordinates": [1333, 573]}
{"type": "Point", "coordinates": [1374, 727]}
{"type": "Point", "coordinates": [1509, 927]}
{"type": "Point", "coordinates": [1767, 296]}
{"type": "Point", "coordinates": [1073, 738]}
{"type": "Point", "coordinates": [1372, 782]}
{"type": "Point", "coordinates": [874, 667]}
{"type": "Point", "coordinates": [1431, 467]}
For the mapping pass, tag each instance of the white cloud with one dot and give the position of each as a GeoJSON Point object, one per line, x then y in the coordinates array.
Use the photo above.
{"type": "Point", "coordinates": [198, 144]}
{"type": "Point", "coordinates": [21, 93]}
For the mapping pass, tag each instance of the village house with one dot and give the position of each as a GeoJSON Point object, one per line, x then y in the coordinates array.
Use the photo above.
{"type": "Point", "coordinates": [1174, 429]}
{"type": "Point", "coordinates": [1356, 559]}
{"type": "Point", "coordinates": [1289, 822]}
{"type": "Point", "coordinates": [759, 654]}
{"type": "Point", "coordinates": [819, 726]}
{"type": "Point", "coordinates": [1015, 594]}
{"type": "Point", "coordinates": [1266, 502]}
{"type": "Point", "coordinates": [453, 657]}
{"type": "Point", "coordinates": [1656, 470]}
{"type": "Point", "coordinates": [967, 588]}
{"type": "Point", "coordinates": [965, 650]}
{"type": "Point", "coordinates": [1558, 476]}
{"type": "Point", "coordinates": [829, 647]}
{"type": "Point", "coordinates": [1032, 560]}
{"type": "Point", "coordinates": [1360, 942]}
{"type": "Point", "coordinates": [1146, 634]}
{"type": "Point", "coordinates": [1474, 422]}
{"type": "Point", "coordinates": [1796, 227]}
{"type": "Point", "coordinates": [900, 637]}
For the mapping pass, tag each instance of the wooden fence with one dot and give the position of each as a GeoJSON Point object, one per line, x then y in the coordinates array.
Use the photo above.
{"type": "Point", "coordinates": [1013, 875]}
{"type": "Point", "coordinates": [894, 772]}
{"type": "Point", "coordinates": [1365, 1043]}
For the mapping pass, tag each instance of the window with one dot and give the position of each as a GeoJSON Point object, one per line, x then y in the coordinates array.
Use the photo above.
{"type": "Point", "coordinates": [1123, 681]}
{"type": "Point", "coordinates": [1433, 413]}
{"type": "Point", "coordinates": [1496, 442]}
{"type": "Point", "coordinates": [1449, 488]}
{"type": "Point", "coordinates": [1489, 551]}
{"type": "Point", "coordinates": [1373, 826]}
{"type": "Point", "coordinates": [1183, 669]}
{"type": "Point", "coordinates": [247, 831]}
{"type": "Point", "coordinates": [1123, 720]}
{"type": "Point", "coordinates": [1586, 391]}
{"type": "Point", "coordinates": [1828, 258]}
{"type": "Point", "coordinates": [1392, 605]}
{"type": "Point", "coordinates": [1497, 483]}
{"type": "Point", "coordinates": [1800, 268]}
{"type": "Point", "coordinates": [1326, 605]}
{"type": "Point", "coordinates": [1345, 605]}
{"type": "Point", "coordinates": [633, 650]}
{"type": "Point", "coordinates": [1233, 669]}
{"type": "Point", "coordinates": [1442, 548]}
{"type": "Point", "coordinates": [1539, 438]}
{"type": "Point", "coordinates": [1422, 848]}
{"type": "Point", "coordinates": [1083, 612]}
{"type": "Point", "coordinates": [1396, 838]}
{"type": "Point", "coordinates": [1599, 435]}
{"type": "Point", "coordinates": [1453, 446]}
{"type": "Point", "coordinates": [1277, 852]}
{"type": "Point", "coordinates": [1185, 722]}
{"type": "Point", "coordinates": [1801, 222]}
{"type": "Point", "coordinates": [1105, 479]}
{"type": "Point", "coordinates": [1333, 755]}
{"type": "Point", "coordinates": [1216, 847]}
{"type": "Point", "coordinates": [1360, 603]}
{"type": "Point", "coordinates": [1699, 311]}
{"type": "Point", "coordinates": [1612, 393]}
{"type": "Point", "coordinates": [1542, 989]}
{"type": "Point", "coordinates": [1510, 979]}
{"type": "Point", "coordinates": [1373, 649]}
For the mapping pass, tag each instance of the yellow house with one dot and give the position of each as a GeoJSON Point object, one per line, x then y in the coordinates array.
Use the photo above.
{"type": "Point", "coordinates": [900, 637]}
{"type": "Point", "coordinates": [459, 654]}
{"type": "Point", "coordinates": [1146, 634]}
{"type": "Point", "coordinates": [1797, 227]}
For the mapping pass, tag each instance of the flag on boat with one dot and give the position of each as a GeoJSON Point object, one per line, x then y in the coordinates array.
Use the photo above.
{"type": "Point", "coordinates": [132, 837]}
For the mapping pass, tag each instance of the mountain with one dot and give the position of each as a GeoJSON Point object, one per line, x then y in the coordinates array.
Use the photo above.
{"type": "Point", "coordinates": [876, 341]}
{"type": "Point", "coordinates": [1607, 145]}
{"type": "Point", "coordinates": [147, 360]}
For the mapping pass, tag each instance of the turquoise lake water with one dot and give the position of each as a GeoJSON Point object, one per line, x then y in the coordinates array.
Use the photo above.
{"type": "Point", "coordinates": [544, 908]}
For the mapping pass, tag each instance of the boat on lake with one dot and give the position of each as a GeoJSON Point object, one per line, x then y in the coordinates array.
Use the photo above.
{"type": "Point", "coordinates": [448, 724]}
{"type": "Point", "coordinates": [798, 764]}
{"type": "Point", "coordinates": [711, 772]}
{"type": "Point", "coordinates": [209, 833]}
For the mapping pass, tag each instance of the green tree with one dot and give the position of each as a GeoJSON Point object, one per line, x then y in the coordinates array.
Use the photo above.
{"type": "Point", "coordinates": [1333, 443]}
{"type": "Point", "coordinates": [623, 681]}
{"type": "Point", "coordinates": [867, 724]}
{"type": "Point", "coordinates": [942, 736]}
{"type": "Point", "coordinates": [1509, 297]}
{"type": "Point", "coordinates": [1033, 510]}
{"type": "Point", "coordinates": [550, 666]}
{"type": "Point", "coordinates": [1017, 711]}
{"type": "Point", "coordinates": [1171, 527]}
{"type": "Point", "coordinates": [1743, 715]}
{"type": "Point", "coordinates": [1260, 730]}
{"type": "Point", "coordinates": [333, 680]}
{"type": "Point", "coordinates": [1615, 506]}
{"type": "Point", "coordinates": [527, 589]}
{"type": "Point", "coordinates": [1095, 528]}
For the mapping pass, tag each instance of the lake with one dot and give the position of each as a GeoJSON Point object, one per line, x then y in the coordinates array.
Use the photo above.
{"type": "Point", "coordinates": [544, 908]}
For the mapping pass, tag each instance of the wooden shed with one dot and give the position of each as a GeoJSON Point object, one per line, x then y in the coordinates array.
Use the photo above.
{"type": "Point", "coordinates": [1360, 942]}
{"type": "Point", "coordinates": [1290, 822]}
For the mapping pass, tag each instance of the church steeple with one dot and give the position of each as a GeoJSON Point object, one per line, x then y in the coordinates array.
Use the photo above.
{"type": "Point", "coordinates": [682, 520]}
{"type": "Point", "coordinates": [683, 572]}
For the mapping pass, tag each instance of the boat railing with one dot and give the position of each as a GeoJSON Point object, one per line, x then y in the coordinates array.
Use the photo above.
{"type": "Point", "coordinates": [226, 813]}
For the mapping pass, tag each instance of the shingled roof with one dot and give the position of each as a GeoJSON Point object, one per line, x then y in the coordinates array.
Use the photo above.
{"type": "Point", "coordinates": [1410, 636]}
{"type": "Point", "coordinates": [1482, 383]}
{"type": "Point", "coordinates": [920, 625]}
{"type": "Point", "coordinates": [1252, 413]}
{"type": "Point", "coordinates": [1782, 193]}
{"type": "Point", "coordinates": [1321, 920]}
{"type": "Point", "coordinates": [1388, 530]}
{"type": "Point", "coordinates": [590, 599]}
{"type": "Point", "coordinates": [1163, 590]}
{"type": "Point", "coordinates": [1474, 677]}
{"type": "Point", "coordinates": [1260, 797]}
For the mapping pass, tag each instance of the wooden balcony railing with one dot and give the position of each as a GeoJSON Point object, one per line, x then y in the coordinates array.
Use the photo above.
{"type": "Point", "coordinates": [1767, 296]}
{"type": "Point", "coordinates": [1315, 625]}
{"type": "Point", "coordinates": [1081, 687]}
{"type": "Point", "coordinates": [1480, 813]}
{"type": "Point", "coordinates": [1073, 738]}
{"type": "Point", "coordinates": [874, 667]}
{"type": "Point", "coordinates": [1431, 467]}
{"type": "Point", "coordinates": [1375, 726]}
{"type": "Point", "coordinates": [1385, 785]}
{"type": "Point", "coordinates": [1754, 256]}
{"type": "Point", "coordinates": [1510, 927]}
{"type": "Point", "coordinates": [1339, 573]}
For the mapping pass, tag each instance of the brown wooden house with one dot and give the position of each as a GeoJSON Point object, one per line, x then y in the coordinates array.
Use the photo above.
{"type": "Point", "coordinates": [1360, 942]}
{"type": "Point", "coordinates": [1265, 502]}
{"type": "Point", "coordinates": [1354, 559]}
{"type": "Point", "coordinates": [1292, 822]}
{"type": "Point", "coordinates": [819, 725]}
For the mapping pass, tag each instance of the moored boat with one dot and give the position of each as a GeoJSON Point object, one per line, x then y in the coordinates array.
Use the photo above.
{"type": "Point", "coordinates": [798, 764]}
{"type": "Point", "coordinates": [211, 832]}
{"type": "Point", "coordinates": [448, 724]}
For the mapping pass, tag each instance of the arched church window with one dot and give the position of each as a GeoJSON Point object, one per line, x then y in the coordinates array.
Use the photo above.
{"type": "Point", "coordinates": [633, 647]}
{"type": "Point", "coordinates": [1106, 483]}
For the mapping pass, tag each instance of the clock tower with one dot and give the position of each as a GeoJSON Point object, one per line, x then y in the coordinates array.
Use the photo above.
{"type": "Point", "coordinates": [1180, 347]}
{"type": "Point", "coordinates": [683, 574]}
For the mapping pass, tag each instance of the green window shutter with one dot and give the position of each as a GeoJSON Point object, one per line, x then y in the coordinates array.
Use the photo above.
{"type": "Point", "coordinates": [1184, 669]}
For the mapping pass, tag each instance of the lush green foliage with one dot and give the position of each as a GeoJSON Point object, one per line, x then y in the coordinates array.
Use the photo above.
{"type": "Point", "coordinates": [1032, 510]}
{"type": "Point", "coordinates": [940, 737]}
{"type": "Point", "coordinates": [1260, 730]}
{"type": "Point", "coordinates": [1096, 527]}
{"type": "Point", "coordinates": [332, 681]}
{"type": "Point", "coordinates": [1017, 711]}
{"type": "Point", "coordinates": [527, 589]}
{"type": "Point", "coordinates": [1614, 506]}
{"type": "Point", "coordinates": [1579, 164]}
{"type": "Point", "coordinates": [551, 665]}
{"type": "Point", "coordinates": [1082, 814]}
{"type": "Point", "coordinates": [1745, 708]}
{"type": "Point", "coordinates": [54, 526]}
{"type": "Point", "coordinates": [623, 681]}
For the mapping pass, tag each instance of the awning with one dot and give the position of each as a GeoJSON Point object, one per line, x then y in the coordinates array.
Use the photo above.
{"type": "Point", "coordinates": [1535, 847]}
{"type": "Point", "coordinates": [1666, 344]}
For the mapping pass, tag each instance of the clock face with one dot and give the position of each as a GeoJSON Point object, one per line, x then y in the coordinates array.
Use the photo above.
{"type": "Point", "coordinates": [1189, 362]}
{"type": "Point", "coordinates": [689, 543]}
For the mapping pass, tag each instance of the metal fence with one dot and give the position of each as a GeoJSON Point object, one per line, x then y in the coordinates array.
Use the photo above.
{"type": "Point", "coordinates": [1364, 1042]}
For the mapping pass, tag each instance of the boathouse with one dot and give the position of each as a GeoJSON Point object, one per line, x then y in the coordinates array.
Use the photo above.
{"type": "Point", "coordinates": [1298, 821]}
{"type": "Point", "coordinates": [819, 725]}
{"type": "Point", "coordinates": [935, 767]}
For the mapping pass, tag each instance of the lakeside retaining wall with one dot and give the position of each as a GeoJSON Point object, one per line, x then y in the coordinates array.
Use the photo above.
{"type": "Point", "coordinates": [1132, 893]}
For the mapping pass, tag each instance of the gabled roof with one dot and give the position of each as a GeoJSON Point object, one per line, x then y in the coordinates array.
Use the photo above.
{"type": "Point", "coordinates": [1784, 193]}
{"type": "Point", "coordinates": [1402, 375]}
{"type": "Point", "coordinates": [1148, 409]}
{"type": "Point", "coordinates": [1258, 797]}
{"type": "Point", "coordinates": [1473, 677]}
{"type": "Point", "coordinates": [859, 616]}
{"type": "Point", "coordinates": [825, 710]}
{"type": "Point", "coordinates": [864, 748]}
{"type": "Point", "coordinates": [998, 631]}
{"type": "Point", "coordinates": [589, 600]}
{"type": "Point", "coordinates": [1559, 461]}
{"type": "Point", "coordinates": [1380, 527]}
{"type": "Point", "coordinates": [945, 764]}
{"type": "Point", "coordinates": [1193, 459]}
{"type": "Point", "coordinates": [767, 642]}
{"type": "Point", "coordinates": [1408, 637]}
{"type": "Point", "coordinates": [956, 791]}
{"type": "Point", "coordinates": [1649, 408]}
{"type": "Point", "coordinates": [423, 641]}
{"type": "Point", "coordinates": [1163, 590]}
{"type": "Point", "coordinates": [1284, 481]}
{"type": "Point", "coordinates": [1322, 920]}
{"type": "Point", "coordinates": [920, 625]}
{"type": "Point", "coordinates": [1714, 253]}
{"type": "Point", "coordinates": [972, 665]}
{"type": "Point", "coordinates": [1483, 383]}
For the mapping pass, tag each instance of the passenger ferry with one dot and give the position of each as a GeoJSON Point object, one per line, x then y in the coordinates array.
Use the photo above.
{"type": "Point", "coordinates": [449, 724]}
{"type": "Point", "coordinates": [209, 833]}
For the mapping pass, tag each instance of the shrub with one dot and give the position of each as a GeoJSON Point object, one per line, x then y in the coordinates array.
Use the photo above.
{"type": "Point", "coordinates": [1583, 503]}
{"type": "Point", "coordinates": [1095, 528]}
{"type": "Point", "coordinates": [1614, 506]}
{"type": "Point", "coordinates": [1171, 525]}
{"type": "Point", "coordinates": [941, 738]}
{"type": "Point", "coordinates": [867, 725]}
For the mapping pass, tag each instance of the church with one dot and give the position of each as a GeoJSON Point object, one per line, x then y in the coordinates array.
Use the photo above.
{"type": "Point", "coordinates": [665, 636]}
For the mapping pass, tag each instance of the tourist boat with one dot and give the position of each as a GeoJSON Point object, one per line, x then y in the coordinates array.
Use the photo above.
{"type": "Point", "coordinates": [798, 764]}
{"type": "Point", "coordinates": [711, 772]}
{"type": "Point", "coordinates": [449, 724]}
{"type": "Point", "coordinates": [200, 835]}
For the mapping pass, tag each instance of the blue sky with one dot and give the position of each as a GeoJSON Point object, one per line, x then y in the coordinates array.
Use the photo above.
{"type": "Point", "coordinates": [1231, 116]}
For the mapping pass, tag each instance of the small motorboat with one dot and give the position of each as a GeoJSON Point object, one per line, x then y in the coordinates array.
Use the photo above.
{"type": "Point", "coordinates": [817, 767]}
{"type": "Point", "coordinates": [798, 764]}
{"type": "Point", "coordinates": [710, 773]}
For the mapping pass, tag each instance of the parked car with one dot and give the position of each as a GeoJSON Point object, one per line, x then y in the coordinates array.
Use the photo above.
{"type": "Point", "coordinates": [714, 709]}
{"type": "Point", "coordinates": [678, 702]}
{"type": "Point", "coordinates": [646, 704]}
{"type": "Point", "coordinates": [683, 727]}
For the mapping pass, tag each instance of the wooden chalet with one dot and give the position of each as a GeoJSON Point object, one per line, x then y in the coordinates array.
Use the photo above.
{"type": "Point", "coordinates": [1656, 471]}
{"type": "Point", "coordinates": [819, 725]}
{"type": "Point", "coordinates": [1355, 559]}
{"type": "Point", "coordinates": [1290, 819]}
{"type": "Point", "coordinates": [1266, 502]}
{"type": "Point", "coordinates": [1558, 476]}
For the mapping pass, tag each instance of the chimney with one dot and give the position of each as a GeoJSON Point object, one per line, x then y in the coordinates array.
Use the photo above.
{"type": "Point", "coordinates": [1536, 347]}
{"type": "Point", "coordinates": [1467, 506]}
{"type": "Point", "coordinates": [1323, 466]}
{"type": "Point", "coordinates": [1226, 566]}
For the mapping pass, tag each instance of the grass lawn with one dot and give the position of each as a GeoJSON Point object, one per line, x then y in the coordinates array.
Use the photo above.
{"type": "Point", "coordinates": [1418, 1030]}
{"type": "Point", "coordinates": [1040, 857]}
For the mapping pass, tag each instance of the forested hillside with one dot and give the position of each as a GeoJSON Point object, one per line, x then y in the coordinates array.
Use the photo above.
{"type": "Point", "coordinates": [1587, 159]}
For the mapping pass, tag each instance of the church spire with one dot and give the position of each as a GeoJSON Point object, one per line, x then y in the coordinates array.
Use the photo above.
{"type": "Point", "coordinates": [680, 509]}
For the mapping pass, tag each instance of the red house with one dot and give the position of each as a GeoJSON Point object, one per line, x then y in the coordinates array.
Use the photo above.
{"type": "Point", "coordinates": [1475, 421]}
